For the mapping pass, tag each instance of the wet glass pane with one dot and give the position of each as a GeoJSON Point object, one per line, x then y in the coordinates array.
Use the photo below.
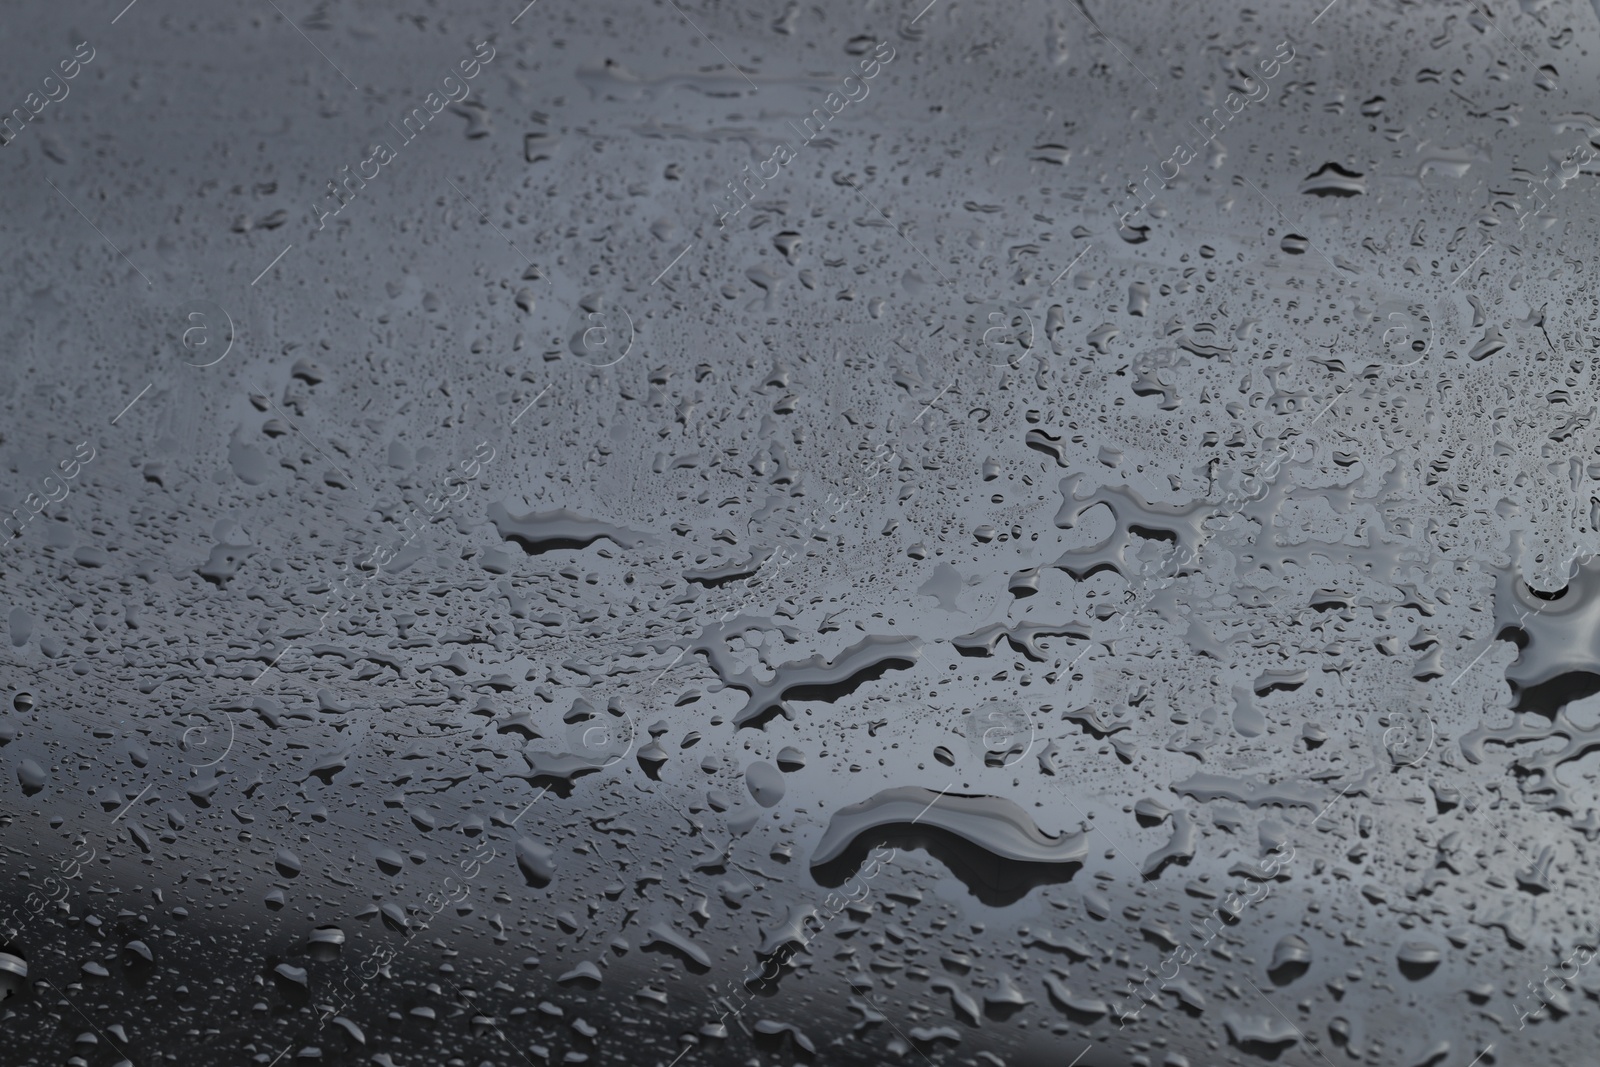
{"type": "Point", "coordinates": [929, 533]}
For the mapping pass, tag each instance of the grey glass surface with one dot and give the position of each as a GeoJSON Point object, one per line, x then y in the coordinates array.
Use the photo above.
{"type": "Point", "coordinates": [885, 533]}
